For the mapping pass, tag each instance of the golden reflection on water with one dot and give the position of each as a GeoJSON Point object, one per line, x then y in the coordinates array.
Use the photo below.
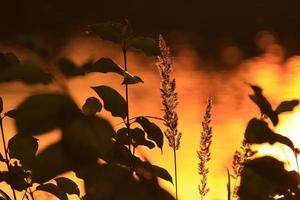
{"type": "Point", "coordinates": [231, 112]}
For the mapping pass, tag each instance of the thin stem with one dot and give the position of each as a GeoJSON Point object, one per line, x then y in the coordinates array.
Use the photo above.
{"type": "Point", "coordinates": [175, 169]}
{"type": "Point", "coordinates": [296, 158]}
{"type": "Point", "coordinates": [31, 193]}
{"type": "Point", "coordinates": [127, 123]}
{"type": "Point", "coordinates": [6, 153]}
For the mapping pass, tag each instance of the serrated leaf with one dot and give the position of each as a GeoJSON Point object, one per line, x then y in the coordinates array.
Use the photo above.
{"type": "Point", "coordinates": [1, 105]}
{"type": "Point", "coordinates": [258, 132]}
{"type": "Point", "coordinates": [113, 101]}
{"type": "Point", "coordinates": [153, 131]}
{"type": "Point", "coordinates": [23, 147]}
{"type": "Point", "coordinates": [11, 113]}
{"type": "Point", "coordinates": [54, 190]}
{"type": "Point", "coordinates": [67, 185]}
{"type": "Point", "coordinates": [145, 44]}
{"type": "Point", "coordinates": [265, 107]}
{"type": "Point", "coordinates": [138, 137]}
{"type": "Point", "coordinates": [286, 106]}
{"type": "Point", "coordinates": [49, 163]}
{"type": "Point", "coordinates": [43, 112]}
{"type": "Point", "coordinates": [111, 31]}
{"type": "Point", "coordinates": [25, 72]}
{"type": "Point", "coordinates": [91, 106]}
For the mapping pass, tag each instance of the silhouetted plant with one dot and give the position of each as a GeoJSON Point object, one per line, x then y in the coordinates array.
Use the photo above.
{"type": "Point", "coordinates": [204, 153]}
{"type": "Point", "coordinates": [86, 138]}
{"type": "Point", "coordinates": [265, 177]}
{"type": "Point", "coordinates": [169, 101]}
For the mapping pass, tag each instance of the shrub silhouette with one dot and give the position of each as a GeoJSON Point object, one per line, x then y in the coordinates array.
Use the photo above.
{"type": "Point", "coordinates": [86, 137]}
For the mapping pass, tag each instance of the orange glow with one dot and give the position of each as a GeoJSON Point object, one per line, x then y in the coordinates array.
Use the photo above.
{"type": "Point", "coordinates": [231, 111]}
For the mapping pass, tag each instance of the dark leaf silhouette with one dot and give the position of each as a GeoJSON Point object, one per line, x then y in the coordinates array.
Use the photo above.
{"type": "Point", "coordinates": [54, 190]}
{"type": "Point", "coordinates": [112, 182]}
{"type": "Point", "coordinates": [28, 73]}
{"type": "Point", "coordinates": [91, 106]}
{"type": "Point", "coordinates": [23, 147]}
{"type": "Point", "coordinates": [258, 132]}
{"type": "Point", "coordinates": [2, 158]}
{"type": "Point", "coordinates": [43, 112]}
{"type": "Point", "coordinates": [265, 107]}
{"type": "Point", "coordinates": [105, 65]}
{"type": "Point", "coordinates": [69, 69]}
{"type": "Point", "coordinates": [130, 79]}
{"type": "Point", "coordinates": [87, 139]}
{"type": "Point", "coordinates": [4, 195]}
{"type": "Point", "coordinates": [264, 177]}
{"type": "Point", "coordinates": [113, 101]}
{"type": "Point", "coordinates": [15, 177]}
{"type": "Point", "coordinates": [162, 173]}
{"type": "Point", "coordinates": [34, 44]}
{"type": "Point", "coordinates": [286, 106]}
{"type": "Point", "coordinates": [146, 45]}
{"type": "Point", "coordinates": [67, 185]}
{"type": "Point", "coordinates": [49, 163]}
{"type": "Point", "coordinates": [122, 136]}
{"type": "Point", "coordinates": [111, 31]}
{"type": "Point", "coordinates": [138, 138]}
{"type": "Point", "coordinates": [8, 60]}
{"type": "Point", "coordinates": [11, 113]}
{"type": "Point", "coordinates": [1, 105]}
{"type": "Point", "coordinates": [153, 131]}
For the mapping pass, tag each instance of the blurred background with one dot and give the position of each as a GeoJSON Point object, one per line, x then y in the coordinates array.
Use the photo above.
{"type": "Point", "coordinates": [218, 47]}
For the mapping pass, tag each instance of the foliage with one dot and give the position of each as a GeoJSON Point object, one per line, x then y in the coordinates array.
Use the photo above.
{"type": "Point", "coordinates": [86, 136]}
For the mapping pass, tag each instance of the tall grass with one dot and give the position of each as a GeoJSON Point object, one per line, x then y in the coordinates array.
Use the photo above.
{"type": "Point", "coordinates": [204, 153]}
{"type": "Point", "coordinates": [169, 101]}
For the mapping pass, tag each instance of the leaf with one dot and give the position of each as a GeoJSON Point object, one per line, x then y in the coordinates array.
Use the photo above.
{"type": "Point", "coordinates": [87, 139]}
{"type": "Point", "coordinates": [25, 72]}
{"type": "Point", "coordinates": [113, 101]}
{"type": "Point", "coordinates": [122, 136]}
{"type": "Point", "coordinates": [49, 163]}
{"type": "Point", "coordinates": [15, 177]}
{"type": "Point", "coordinates": [258, 132]}
{"type": "Point", "coordinates": [111, 31]}
{"type": "Point", "coordinates": [91, 106]}
{"type": "Point", "coordinates": [43, 112]}
{"type": "Point", "coordinates": [266, 176]}
{"type": "Point", "coordinates": [1, 105]}
{"type": "Point", "coordinates": [54, 190]}
{"type": "Point", "coordinates": [11, 113]}
{"type": "Point", "coordinates": [263, 104]}
{"type": "Point", "coordinates": [67, 185]}
{"type": "Point", "coordinates": [162, 173]}
{"type": "Point", "coordinates": [68, 68]}
{"type": "Point", "coordinates": [153, 131]}
{"type": "Point", "coordinates": [105, 65]}
{"type": "Point", "coordinates": [4, 195]}
{"type": "Point", "coordinates": [8, 60]}
{"type": "Point", "coordinates": [130, 79]}
{"type": "Point", "coordinates": [145, 44]}
{"type": "Point", "coordinates": [138, 137]}
{"type": "Point", "coordinates": [23, 147]}
{"type": "Point", "coordinates": [286, 106]}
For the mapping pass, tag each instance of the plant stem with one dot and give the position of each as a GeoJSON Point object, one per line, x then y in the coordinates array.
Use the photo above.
{"type": "Point", "coordinates": [296, 158]}
{"type": "Point", "coordinates": [126, 95]}
{"type": "Point", "coordinates": [175, 169]}
{"type": "Point", "coordinates": [31, 193]}
{"type": "Point", "coordinates": [6, 153]}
